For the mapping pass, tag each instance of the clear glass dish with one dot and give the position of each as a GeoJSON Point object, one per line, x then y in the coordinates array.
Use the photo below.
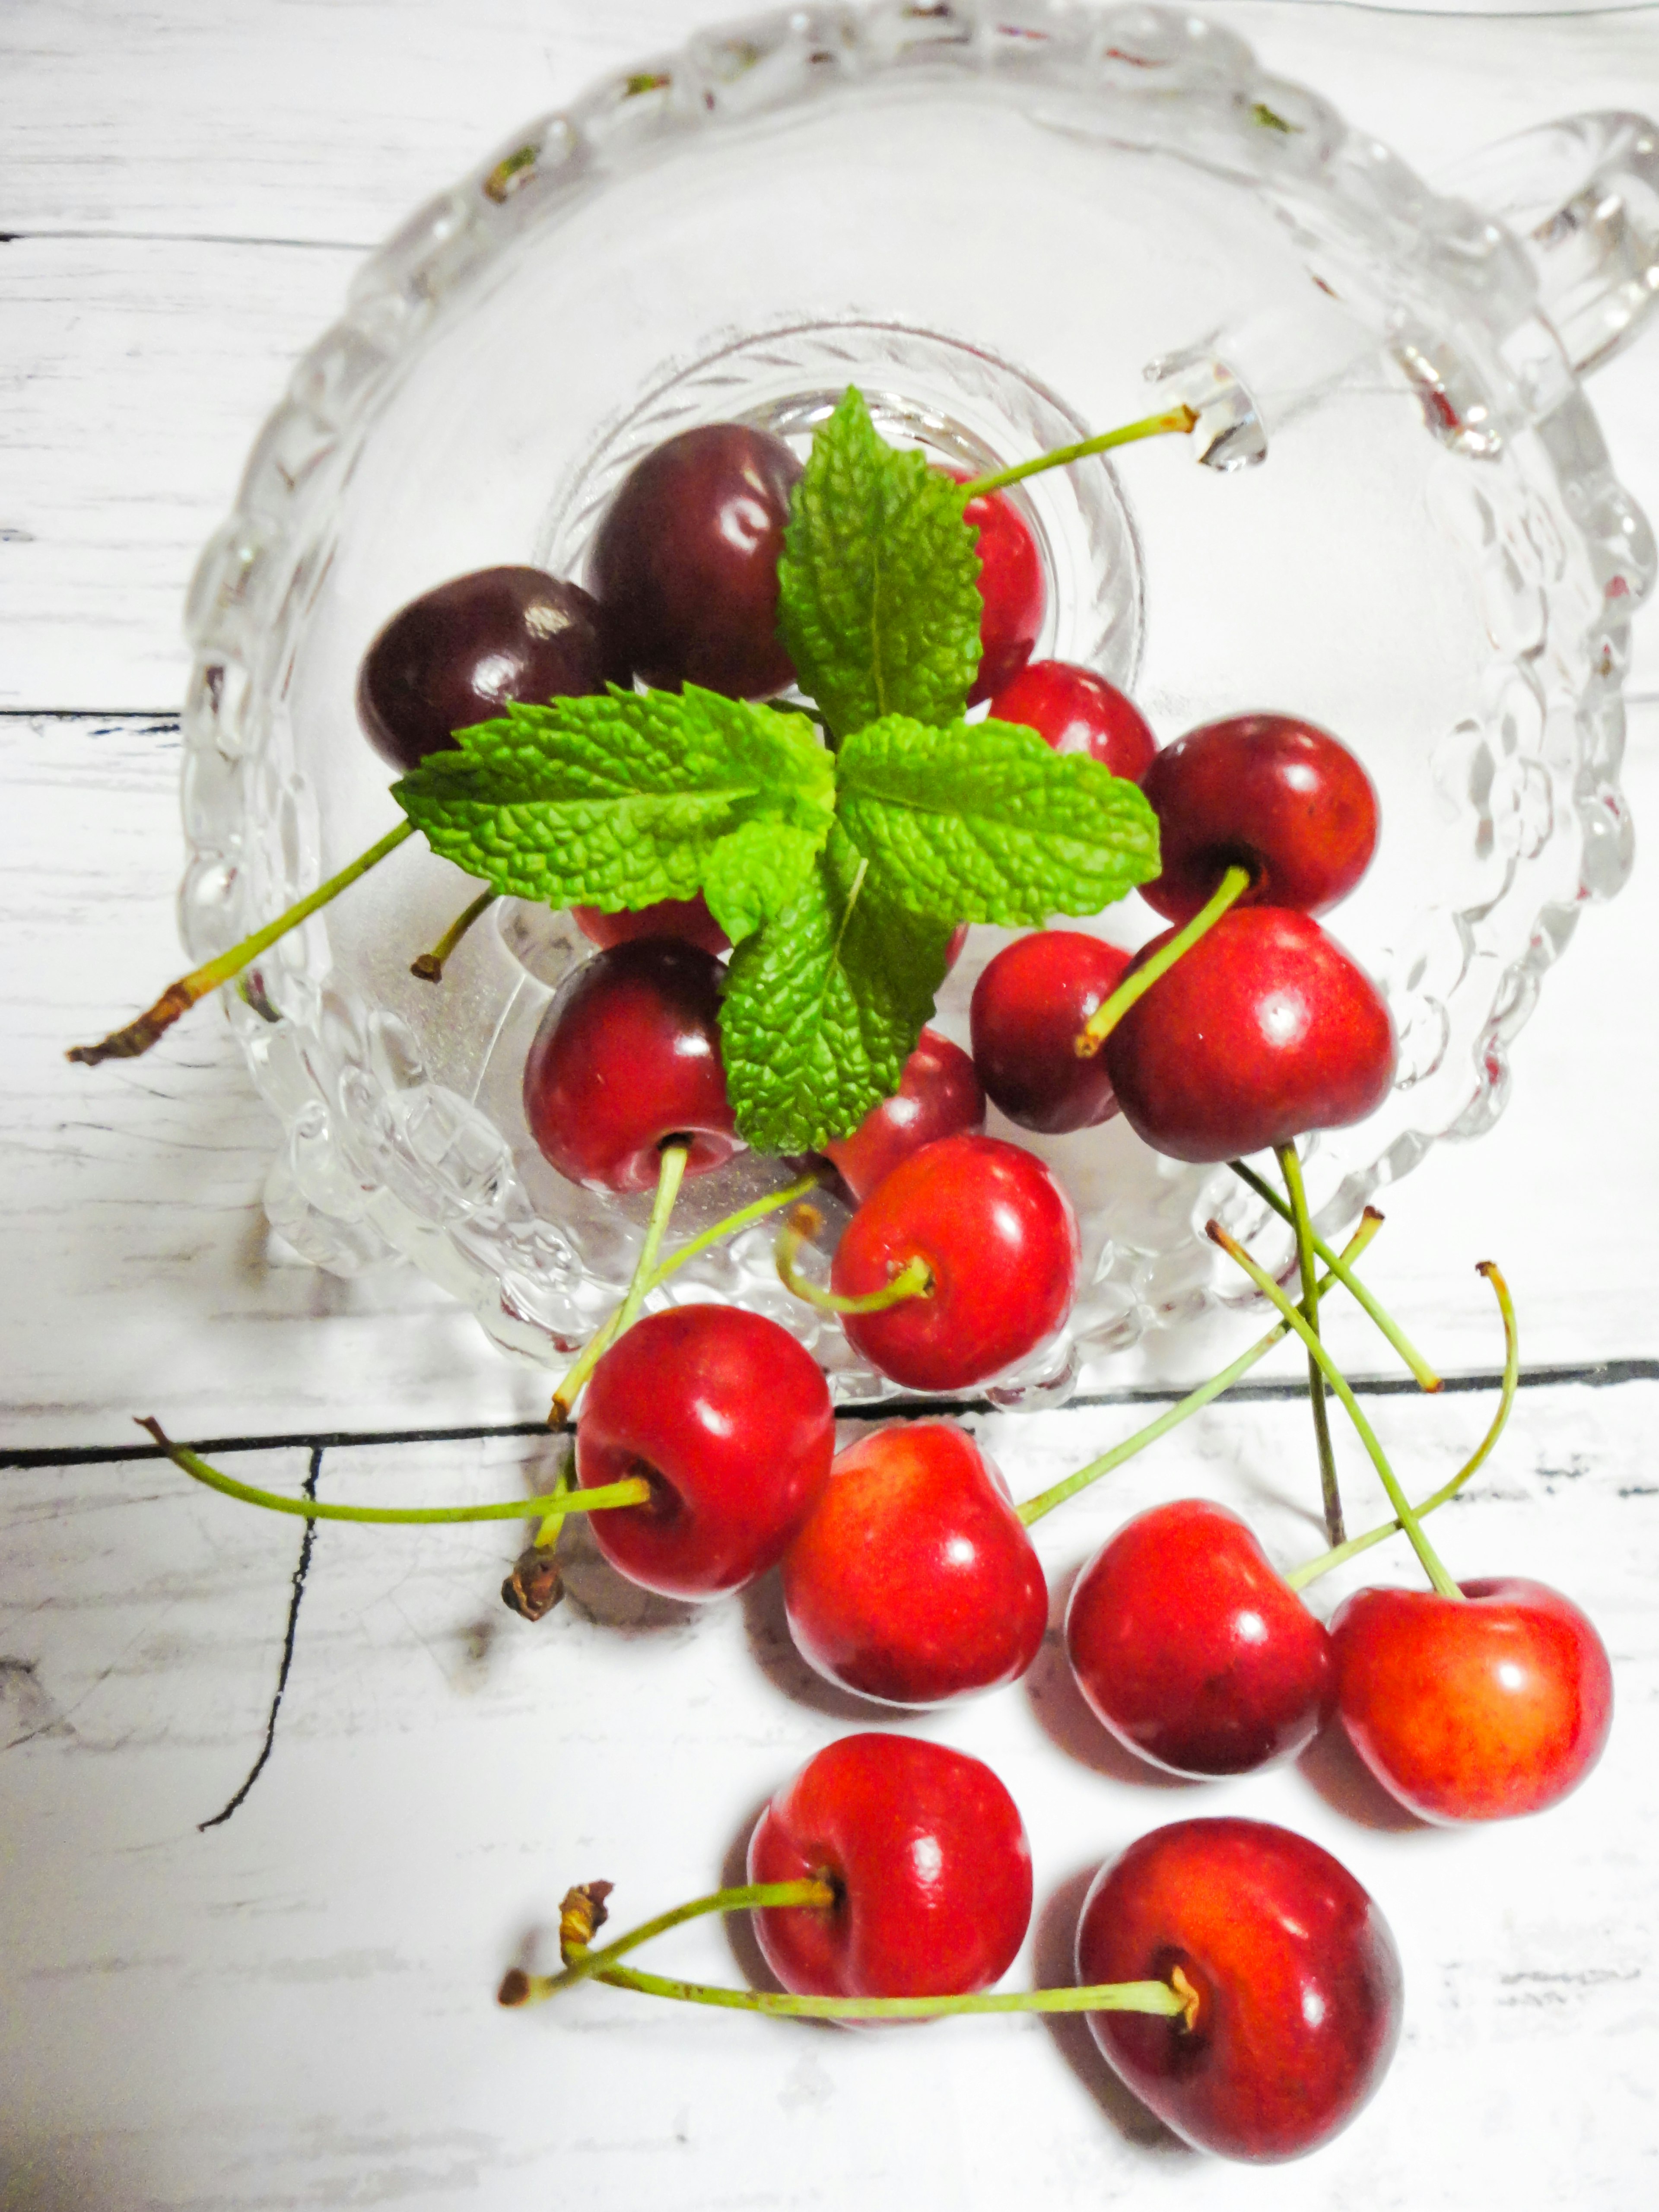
{"type": "Point", "coordinates": [1009, 225]}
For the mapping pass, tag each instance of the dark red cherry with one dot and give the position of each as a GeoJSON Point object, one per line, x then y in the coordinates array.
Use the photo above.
{"type": "Point", "coordinates": [1263, 1029]}
{"type": "Point", "coordinates": [1001, 1243]}
{"type": "Point", "coordinates": [461, 653]}
{"type": "Point", "coordinates": [1028, 1006]}
{"type": "Point", "coordinates": [1475, 1710]}
{"type": "Point", "coordinates": [1192, 1649]}
{"type": "Point", "coordinates": [1295, 1974]}
{"type": "Point", "coordinates": [1078, 712]}
{"type": "Point", "coordinates": [927, 1856]}
{"type": "Point", "coordinates": [1011, 585]}
{"type": "Point", "coordinates": [1264, 792]}
{"type": "Point", "coordinates": [938, 1095]}
{"type": "Point", "coordinates": [730, 1421]}
{"type": "Point", "coordinates": [913, 1579]}
{"type": "Point", "coordinates": [685, 563]}
{"type": "Point", "coordinates": [689, 920]}
{"type": "Point", "coordinates": [627, 1056]}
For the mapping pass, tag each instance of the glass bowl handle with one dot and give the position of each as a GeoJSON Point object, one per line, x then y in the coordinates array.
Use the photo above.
{"type": "Point", "coordinates": [1581, 196]}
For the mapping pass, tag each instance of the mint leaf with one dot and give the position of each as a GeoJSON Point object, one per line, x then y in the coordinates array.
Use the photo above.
{"type": "Point", "coordinates": [639, 796]}
{"type": "Point", "coordinates": [878, 593]}
{"type": "Point", "coordinates": [984, 821]}
{"type": "Point", "coordinates": [822, 1006]}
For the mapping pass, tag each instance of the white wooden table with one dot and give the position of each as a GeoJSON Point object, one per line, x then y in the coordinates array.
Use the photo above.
{"type": "Point", "coordinates": [293, 2006]}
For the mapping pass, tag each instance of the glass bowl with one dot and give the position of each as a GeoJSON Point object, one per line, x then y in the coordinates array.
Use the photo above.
{"type": "Point", "coordinates": [1005, 223]}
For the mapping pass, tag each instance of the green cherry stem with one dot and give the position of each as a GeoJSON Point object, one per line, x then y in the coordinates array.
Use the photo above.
{"type": "Point", "coordinates": [1195, 1402]}
{"type": "Point", "coordinates": [1333, 1375]}
{"type": "Point", "coordinates": [913, 1280]}
{"type": "Point", "coordinates": [1160, 1997]}
{"type": "Point", "coordinates": [1178, 420]}
{"type": "Point", "coordinates": [179, 998]}
{"type": "Point", "coordinates": [606, 1335]}
{"type": "Point", "coordinates": [635, 1490]}
{"type": "Point", "coordinates": [1110, 1011]}
{"type": "Point", "coordinates": [1310, 1570]}
{"type": "Point", "coordinates": [670, 1176]}
{"type": "Point", "coordinates": [1290, 1168]}
{"type": "Point", "coordinates": [429, 966]}
{"type": "Point", "coordinates": [1384, 1321]}
{"type": "Point", "coordinates": [581, 1963]}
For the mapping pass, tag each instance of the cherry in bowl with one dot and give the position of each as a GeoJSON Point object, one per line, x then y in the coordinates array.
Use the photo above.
{"type": "Point", "coordinates": [1028, 1005]}
{"type": "Point", "coordinates": [938, 1095]}
{"type": "Point", "coordinates": [1076, 711]}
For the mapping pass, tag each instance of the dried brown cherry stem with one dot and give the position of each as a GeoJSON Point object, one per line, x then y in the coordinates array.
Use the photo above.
{"type": "Point", "coordinates": [1290, 1168]}
{"type": "Point", "coordinates": [913, 1280]}
{"type": "Point", "coordinates": [428, 967]}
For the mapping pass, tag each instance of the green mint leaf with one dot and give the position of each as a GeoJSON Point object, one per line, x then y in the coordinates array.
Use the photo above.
{"type": "Point", "coordinates": [879, 584]}
{"type": "Point", "coordinates": [984, 821]}
{"type": "Point", "coordinates": [638, 796]}
{"type": "Point", "coordinates": [822, 1006]}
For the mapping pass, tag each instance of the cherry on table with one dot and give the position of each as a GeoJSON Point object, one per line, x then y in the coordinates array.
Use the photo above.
{"type": "Point", "coordinates": [1028, 1006]}
{"type": "Point", "coordinates": [1263, 1029]}
{"type": "Point", "coordinates": [1076, 711]}
{"type": "Point", "coordinates": [685, 563]}
{"type": "Point", "coordinates": [729, 1420]}
{"type": "Point", "coordinates": [1477, 1710]}
{"type": "Point", "coordinates": [913, 1579]}
{"type": "Point", "coordinates": [938, 1095]}
{"type": "Point", "coordinates": [689, 920]}
{"type": "Point", "coordinates": [1280, 797]}
{"type": "Point", "coordinates": [928, 1855]}
{"type": "Point", "coordinates": [1192, 1649]}
{"type": "Point", "coordinates": [1295, 1973]}
{"type": "Point", "coordinates": [999, 1240]}
{"type": "Point", "coordinates": [462, 652]}
{"type": "Point", "coordinates": [627, 1056]}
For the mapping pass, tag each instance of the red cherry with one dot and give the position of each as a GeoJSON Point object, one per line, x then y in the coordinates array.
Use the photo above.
{"type": "Point", "coordinates": [689, 920]}
{"type": "Point", "coordinates": [938, 1095]}
{"type": "Point", "coordinates": [627, 1056]}
{"type": "Point", "coordinates": [1000, 1239]}
{"type": "Point", "coordinates": [1011, 586]}
{"type": "Point", "coordinates": [1076, 711]}
{"type": "Point", "coordinates": [461, 652]}
{"type": "Point", "coordinates": [1279, 797]}
{"type": "Point", "coordinates": [1262, 1030]}
{"type": "Point", "coordinates": [730, 1420]}
{"type": "Point", "coordinates": [928, 1858]}
{"type": "Point", "coordinates": [1028, 1006]}
{"type": "Point", "coordinates": [1297, 1976]}
{"type": "Point", "coordinates": [685, 563]}
{"type": "Point", "coordinates": [1473, 1711]}
{"type": "Point", "coordinates": [1192, 1649]}
{"type": "Point", "coordinates": [913, 1579]}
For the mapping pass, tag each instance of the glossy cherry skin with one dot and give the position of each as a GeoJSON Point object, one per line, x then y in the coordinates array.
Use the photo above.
{"type": "Point", "coordinates": [927, 1853]}
{"type": "Point", "coordinates": [1281, 798]}
{"type": "Point", "coordinates": [730, 1420]}
{"type": "Point", "coordinates": [1028, 1006]}
{"type": "Point", "coordinates": [1297, 1978]}
{"type": "Point", "coordinates": [689, 920]}
{"type": "Point", "coordinates": [1192, 1649]}
{"type": "Point", "coordinates": [1076, 711]}
{"type": "Point", "coordinates": [913, 1579]}
{"type": "Point", "coordinates": [461, 653]}
{"type": "Point", "coordinates": [627, 1056]}
{"type": "Point", "coordinates": [1262, 1030]}
{"type": "Point", "coordinates": [938, 1095]}
{"type": "Point", "coordinates": [1011, 586]}
{"type": "Point", "coordinates": [1000, 1239]}
{"type": "Point", "coordinates": [685, 563]}
{"type": "Point", "coordinates": [1475, 1712]}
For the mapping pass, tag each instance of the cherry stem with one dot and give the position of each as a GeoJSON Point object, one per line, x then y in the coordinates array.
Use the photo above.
{"type": "Point", "coordinates": [606, 1335]}
{"type": "Point", "coordinates": [1110, 1011]}
{"type": "Point", "coordinates": [755, 1896]}
{"type": "Point", "coordinates": [1180, 419]}
{"type": "Point", "coordinates": [1045, 1501]}
{"type": "Point", "coordinates": [913, 1280]}
{"type": "Point", "coordinates": [179, 998]}
{"type": "Point", "coordinates": [1310, 1571]}
{"type": "Point", "coordinates": [635, 1490]}
{"type": "Point", "coordinates": [670, 1176]}
{"type": "Point", "coordinates": [1333, 1375]}
{"type": "Point", "coordinates": [1291, 1169]}
{"type": "Point", "coordinates": [1390, 1328]}
{"type": "Point", "coordinates": [429, 967]}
